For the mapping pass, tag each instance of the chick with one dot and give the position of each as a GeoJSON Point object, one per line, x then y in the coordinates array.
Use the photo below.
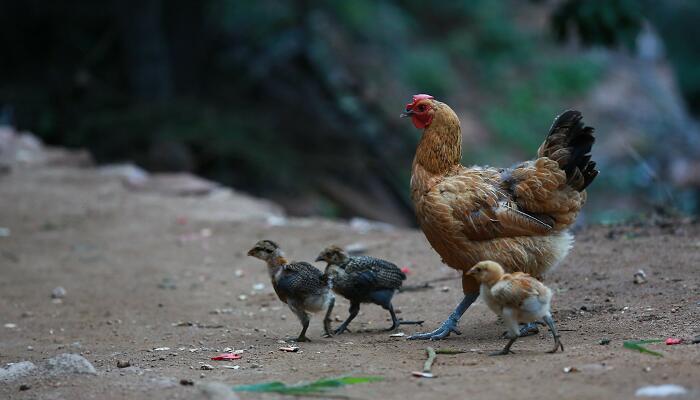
{"type": "Point", "coordinates": [299, 284]}
{"type": "Point", "coordinates": [517, 297]}
{"type": "Point", "coordinates": [363, 279]}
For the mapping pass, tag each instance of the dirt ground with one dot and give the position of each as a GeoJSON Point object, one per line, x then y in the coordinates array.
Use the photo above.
{"type": "Point", "coordinates": [145, 271]}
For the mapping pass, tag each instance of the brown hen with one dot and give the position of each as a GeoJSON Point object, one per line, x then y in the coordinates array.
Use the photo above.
{"type": "Point", "coordinates": [517, 216]}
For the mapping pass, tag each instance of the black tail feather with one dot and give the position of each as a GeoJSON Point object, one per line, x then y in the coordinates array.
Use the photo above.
{"type": "Point", "coordinates": [569, 142]}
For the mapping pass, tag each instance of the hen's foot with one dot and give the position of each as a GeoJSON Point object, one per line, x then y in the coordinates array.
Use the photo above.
{"type": "Point", "coordinates": [302, 339]}
{"type": "Point", "coordinates": [450, 324]}
{"type": "Point", "coordinates": [442, 332]}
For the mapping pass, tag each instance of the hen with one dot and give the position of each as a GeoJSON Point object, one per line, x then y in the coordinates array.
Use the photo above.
{"type": "Point", "coordinates": [517, 216]}
{"type": "Point", "coordinates": [299, 284]}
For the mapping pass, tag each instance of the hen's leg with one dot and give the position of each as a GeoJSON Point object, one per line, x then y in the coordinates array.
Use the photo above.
{"type": "Point", "coordinates": [528, 329]}
{"type": "Point", "coordinates": [552, 327]}
{"type": "Point", "coordinates": [450, 324]}
{"type": "Point", "coordinates": [354, 309]}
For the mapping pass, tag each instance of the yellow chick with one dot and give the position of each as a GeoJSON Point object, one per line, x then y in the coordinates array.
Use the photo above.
{"type": "Point", "coordinates": [517, 297]}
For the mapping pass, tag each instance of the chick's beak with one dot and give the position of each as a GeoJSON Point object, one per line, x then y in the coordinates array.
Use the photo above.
{"type": "Point", "coordinates": [251, 251]}
{"type": "Point", "coordinates": [319, 258]}
{"type": "Point", "coordinates": [471, 272]}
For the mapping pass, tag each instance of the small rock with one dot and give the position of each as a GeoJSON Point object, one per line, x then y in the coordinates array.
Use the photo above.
{"type": "Point", "coordinates": [123, 364]}
{"type": "Point", "coordinates": [259, 286]}
{"type": "Point", "coordinates": [660, 391]}
{"type": "Point", "coordinates": [67, 363]}
{"type": "Point", "coordinates": [206, 367]}
{"type": "Point", "coordinates": [10, 325]}
{"type": "Point", "coordinates": [58, 293]}
{"type": "Point", "coordinates": [16, 370]}
{"type": "Point", "coordinates": [640, 277]}
{"type": "Point", "coordinates": [445, 289]}
{"type": "Point", "coordinates": [24, 387]}
{"type": "Point", "coordinates": [568, 370]}
{"type": "Point", "coordinates": [216, 391]}
{"type": "Point", "coordinates": [242, 297]}
{"type": "Point", "coordinates": [604, 342]}
{"type": "Point", "coordinates": [167, 283]}
{"type": "Point", "coordinates": [4, 232]}
{"type": "Point", "coordinates": [186, 382]}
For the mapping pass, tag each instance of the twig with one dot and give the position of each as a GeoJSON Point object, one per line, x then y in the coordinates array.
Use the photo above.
{"type": "Point", "coordinates": [427, 367]}
{"type": "Point", "coordinates": [449, 351]}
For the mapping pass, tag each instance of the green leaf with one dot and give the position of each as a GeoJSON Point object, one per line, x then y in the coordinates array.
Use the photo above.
{"type": "Point", "coordinates": [318, 386]}
{"type": "Point", "coordinates": [637, 345]}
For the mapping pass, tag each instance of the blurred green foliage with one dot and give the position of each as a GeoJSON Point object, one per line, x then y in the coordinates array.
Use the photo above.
{"type": "Point", "coordinates": [277, 97]}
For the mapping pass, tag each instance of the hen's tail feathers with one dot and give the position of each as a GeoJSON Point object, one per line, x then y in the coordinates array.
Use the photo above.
{"type": "Point", "coordinates": [569, 143]}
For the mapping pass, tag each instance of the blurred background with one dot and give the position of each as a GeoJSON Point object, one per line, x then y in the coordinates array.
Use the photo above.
{"type": "Point", "coordinates": [299, 101]}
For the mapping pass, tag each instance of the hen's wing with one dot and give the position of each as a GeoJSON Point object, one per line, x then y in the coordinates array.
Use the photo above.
{"type": "Point", "coordinates": [530, 199]}
{"type": "Point", "coordinates": [475, 198]}
{"type": "Point", "coordinates": [375, 272]}
{"type": "Point", "coordinates": [299, 279]}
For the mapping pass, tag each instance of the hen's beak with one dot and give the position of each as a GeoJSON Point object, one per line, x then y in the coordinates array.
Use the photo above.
{"type": "Point", "coordinates": [319, 258]}
{"type": "Point", "coordinates": [406, 113]}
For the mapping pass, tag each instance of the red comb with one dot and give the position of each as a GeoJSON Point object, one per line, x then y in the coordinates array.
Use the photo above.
{"type": "Point", "coordinates": [417, 98]}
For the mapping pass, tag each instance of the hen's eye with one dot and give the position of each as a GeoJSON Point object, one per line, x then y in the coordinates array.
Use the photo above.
{"type": "Point", "coordinates": [421, 108]}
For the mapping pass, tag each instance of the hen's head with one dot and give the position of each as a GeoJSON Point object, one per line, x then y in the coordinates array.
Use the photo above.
{"type": "Point", "coordinates": [487, 272]}
{"type": "Point", "coordinates": [265, 250]}
{"type": "Point", "coordinates": [333, 255]}
{"type": "Point", "coordinates": [421, 110]}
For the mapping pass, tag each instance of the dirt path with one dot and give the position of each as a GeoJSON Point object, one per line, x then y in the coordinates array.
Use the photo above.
{"type": "Point", "coordinates": [136, 266]}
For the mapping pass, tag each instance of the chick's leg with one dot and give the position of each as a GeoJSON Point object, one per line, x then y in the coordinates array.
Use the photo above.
{"type": "Point", "coordinates": [528, 329]}
{"type": "Point", "coordinates": [552, 327]}
{"type": "Point", "coordinates": [450, 324]}
{"type": "Point", "coordinates": [354, 309]}
{"type": "Point", "coordinates": [304, 319]}
{"type": "Point", "coordinates": [327, 318]}
{"type": "Point", "coordinates": [513, 331]}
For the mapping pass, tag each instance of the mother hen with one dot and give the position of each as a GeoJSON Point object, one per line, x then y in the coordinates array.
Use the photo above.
{"type": "Point", "coordinates": [517, 216]}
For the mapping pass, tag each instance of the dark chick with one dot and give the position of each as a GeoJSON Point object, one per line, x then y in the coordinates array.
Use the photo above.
{"type": "Point", "coordinates": [362, 279]}
{"type": "Point", "coordinates": [299, 284]}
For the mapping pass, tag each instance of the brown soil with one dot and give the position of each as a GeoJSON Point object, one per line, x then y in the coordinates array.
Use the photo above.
{"type": "Point", "coordinates": [117, 252]}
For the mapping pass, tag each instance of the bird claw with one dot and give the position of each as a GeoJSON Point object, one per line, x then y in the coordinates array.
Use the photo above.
{"type": "Point", "coordinates": [557, 345]}
{"type": "Point", "coordinates": [442, 332]}
{"type": "Point", "coordinates": [302, 339]}
{"type": "Point", "coordinates": [529, 330]}
{"type": "Point", "coordinates": [341, 330]}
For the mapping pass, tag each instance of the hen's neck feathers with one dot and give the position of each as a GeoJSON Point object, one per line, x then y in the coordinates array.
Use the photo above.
{"type": "Point", "coordinates": [440, 147]}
